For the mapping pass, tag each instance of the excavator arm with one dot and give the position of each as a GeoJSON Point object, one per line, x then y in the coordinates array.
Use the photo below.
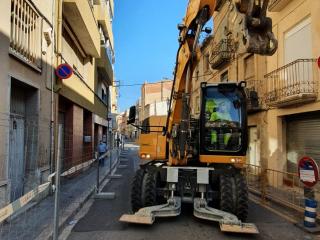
{"type": "Point", "coordinates": [244, 23]}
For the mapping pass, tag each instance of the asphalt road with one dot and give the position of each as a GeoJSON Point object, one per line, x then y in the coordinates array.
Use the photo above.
{"type": "Point", "coordinates": [101, 221]}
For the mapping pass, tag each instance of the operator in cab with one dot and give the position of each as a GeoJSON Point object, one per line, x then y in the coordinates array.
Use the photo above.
{"type": "Point", "coordinates": [220, 115]}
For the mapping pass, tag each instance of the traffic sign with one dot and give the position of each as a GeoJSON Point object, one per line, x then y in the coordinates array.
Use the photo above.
{"type": "Point", "coordinates": [319, 62]}
{"type": "Point", "coordinates": [64, 71]}
{"type": "Point", "coordinates": [308, 171]}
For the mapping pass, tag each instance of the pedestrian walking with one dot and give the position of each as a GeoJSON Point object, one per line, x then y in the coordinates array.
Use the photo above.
{"type": "Point", "coordinates": [102, 149]}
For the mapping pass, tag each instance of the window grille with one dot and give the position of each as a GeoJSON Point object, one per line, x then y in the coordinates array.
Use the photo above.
{"type": "Point", "coordinates": [26, 28]}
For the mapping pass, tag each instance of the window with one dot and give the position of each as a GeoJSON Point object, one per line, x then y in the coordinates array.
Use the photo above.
{"type": "Point", "coordinates": [206, 63]}
{"type": "Point", "coordinates": [26, 29]}
{"type": "Point", "coordinates": [197, 104]}
{"type": "Point", "coordinates": [109, 51]}
{"type": "Point", "coordinates": [73, 42]}
{"type": "Point", "coordinates": [109, 10]}
{"type": "Point", "coordinates": [299, 34]}
{"type": "Point", "coordinates": [224, 77]}
{"type": "Point", "coordinates": [222, 120]}
{"type": "Point", "coordinates": [249, 67]}
{"type": "Point", "coordinates": [104, 96]}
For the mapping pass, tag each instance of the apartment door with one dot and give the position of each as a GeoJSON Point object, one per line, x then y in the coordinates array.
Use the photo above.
{"type": "Point", "coordinates": [16, 155]}
{"type": "Point", "coordinates": [254, 147]}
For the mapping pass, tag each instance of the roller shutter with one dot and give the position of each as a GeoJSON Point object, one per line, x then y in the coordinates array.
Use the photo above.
{"type": "Point", "coordinates": [303, 138]}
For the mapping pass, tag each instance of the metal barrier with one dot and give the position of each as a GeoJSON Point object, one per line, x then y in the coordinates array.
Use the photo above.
{"type": "Point", "coordinates": [281, 187]}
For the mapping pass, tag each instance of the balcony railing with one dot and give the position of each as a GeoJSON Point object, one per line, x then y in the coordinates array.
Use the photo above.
{"type": "Point", "coordinates": [25, 37]}
{"type": "Point", "coordinates": [255, 92]}
{"type": "Point", "coordinates": [296, 82]}
{"type": "Point", "coordinates": [221, 53]}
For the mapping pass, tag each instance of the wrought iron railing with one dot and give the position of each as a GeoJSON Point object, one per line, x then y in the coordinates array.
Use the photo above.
{"type": "Point", "coordinates": [221, 53]}
{"type": "Point", "coordinates": [297, 79]}
{"type": "Point", "coordinates": [26, 29]}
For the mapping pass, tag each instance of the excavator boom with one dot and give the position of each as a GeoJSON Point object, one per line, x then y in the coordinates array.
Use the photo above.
{"type": "Point", "coordinates": [244, 24]}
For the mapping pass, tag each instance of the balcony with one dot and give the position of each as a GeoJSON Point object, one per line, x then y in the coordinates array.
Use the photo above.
{"type": "Point", "coordinates": [277, 5]}
{"type": "Point", "coordinates": [221, 54]}
{"type": "Point", "coordinates": [102, 14]}
{"type": "Point", "coordinates": [104, 67]}
{"type": "Point", "coordinates": [255, 92]}
{"type": "Point", "coordinates": [79, 15]}
{"type": "Point", "coordinates": [294, 83]}
{"type": "Point", "coordinates": [25, 34]}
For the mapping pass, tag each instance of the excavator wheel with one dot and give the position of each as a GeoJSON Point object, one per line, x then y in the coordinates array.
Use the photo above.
{"type": "Point", "coordinates": [234, 195]}
{"type": "Point", "coordinates": [136, 190]}
{"type": "Point", "coordinates": [144, 190]}
{"type": "Point", "coordinates": [149, 189]}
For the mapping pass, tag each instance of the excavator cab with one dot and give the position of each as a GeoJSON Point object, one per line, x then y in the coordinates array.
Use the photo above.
{"type": "Point", "coordinates": [223, 119]}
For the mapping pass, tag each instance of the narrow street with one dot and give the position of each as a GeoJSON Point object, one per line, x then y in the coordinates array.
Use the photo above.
{"type": "Point", "coordinates": [101, 221]}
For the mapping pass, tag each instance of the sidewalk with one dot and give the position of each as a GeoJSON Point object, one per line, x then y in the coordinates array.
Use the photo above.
{"type": "Point", "coordinates": [37, 222]}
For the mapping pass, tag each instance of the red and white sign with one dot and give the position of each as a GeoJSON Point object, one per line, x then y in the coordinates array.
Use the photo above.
{"type": "Point", "coordinates": [64, 71]}
{"type": "Point", "coordinates": [308, 171]}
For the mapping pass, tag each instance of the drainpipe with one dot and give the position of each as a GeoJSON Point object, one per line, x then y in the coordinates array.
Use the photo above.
{"type": "Point", "coordinates": [52, 84]}
{"type": "Point", "coordinates": [58, 4]}
{"type": "Point", "coordinates": [59, 31]}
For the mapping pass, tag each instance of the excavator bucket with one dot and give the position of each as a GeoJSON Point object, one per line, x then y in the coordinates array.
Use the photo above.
{"type": "Point", "coordinates": [248, 228]}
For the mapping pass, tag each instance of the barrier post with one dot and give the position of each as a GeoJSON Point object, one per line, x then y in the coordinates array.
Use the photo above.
{"type": "Point", "coordinates": [57, 189]}
{"type": "Point", "coordinates": [309, 175]}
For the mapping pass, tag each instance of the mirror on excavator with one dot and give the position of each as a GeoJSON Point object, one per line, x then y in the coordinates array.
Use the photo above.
{"type": "Point", "coordinates": [132, 115]}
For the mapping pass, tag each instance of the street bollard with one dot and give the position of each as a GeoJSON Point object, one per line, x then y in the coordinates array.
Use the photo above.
{"type": "Point", "coordinates": [310, 213]}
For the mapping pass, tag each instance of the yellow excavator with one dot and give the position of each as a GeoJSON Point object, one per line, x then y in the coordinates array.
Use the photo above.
{"type": "Point", "coordinates": [203, 157]}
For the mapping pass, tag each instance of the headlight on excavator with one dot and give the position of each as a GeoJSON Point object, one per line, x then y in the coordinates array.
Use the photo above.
{"type": "Point", "coordinates": [236, 160]}
{"type": "Point", "coordinates": [143, 156]}
{"type": "Point", "coordinates": [148, 156]}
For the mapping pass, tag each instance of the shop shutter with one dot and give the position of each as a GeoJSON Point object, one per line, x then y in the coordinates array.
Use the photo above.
{"type": "Point", "coordinates": [303, 139]}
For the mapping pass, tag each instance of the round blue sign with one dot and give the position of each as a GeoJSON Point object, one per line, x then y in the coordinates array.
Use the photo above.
{"type": "Point", "coordinates": [64, 71]}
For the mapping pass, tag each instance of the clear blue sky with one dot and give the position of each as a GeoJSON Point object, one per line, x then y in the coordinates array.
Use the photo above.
{"type": "Point", "coordinates": [146, 42]}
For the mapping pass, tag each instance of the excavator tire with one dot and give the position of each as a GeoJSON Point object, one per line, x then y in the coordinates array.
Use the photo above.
{"type": "Point", "coordinates": [234, 195]}
{"type": "Point", "coordinates": [136, 190]}
{"type": "Point", "coordinates": [242, 197]}
{"type": "Point", "coordinates": [149, 189]}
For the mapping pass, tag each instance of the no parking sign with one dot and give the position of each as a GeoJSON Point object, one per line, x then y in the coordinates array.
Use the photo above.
{"type": "Point", "coordinates": [64, 71]}
{"type": "Point", "coordinates": [308, 171]}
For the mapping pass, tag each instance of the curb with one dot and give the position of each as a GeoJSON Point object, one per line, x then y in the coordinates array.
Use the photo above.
{"type": "Point", "coordinates": [63, 220]}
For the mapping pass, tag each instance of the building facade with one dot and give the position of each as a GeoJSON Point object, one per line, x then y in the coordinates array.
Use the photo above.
{"type": "Point", "coordinates": [26, 75]}
{"type": "Point", "coordinates": [86, 43]}
{"type": "Point", "coordinates": [35, 37]}
{"type": "Point", "coordinates": [283, 90]}
{"type": "Point", "coordinates": [154, 98]}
